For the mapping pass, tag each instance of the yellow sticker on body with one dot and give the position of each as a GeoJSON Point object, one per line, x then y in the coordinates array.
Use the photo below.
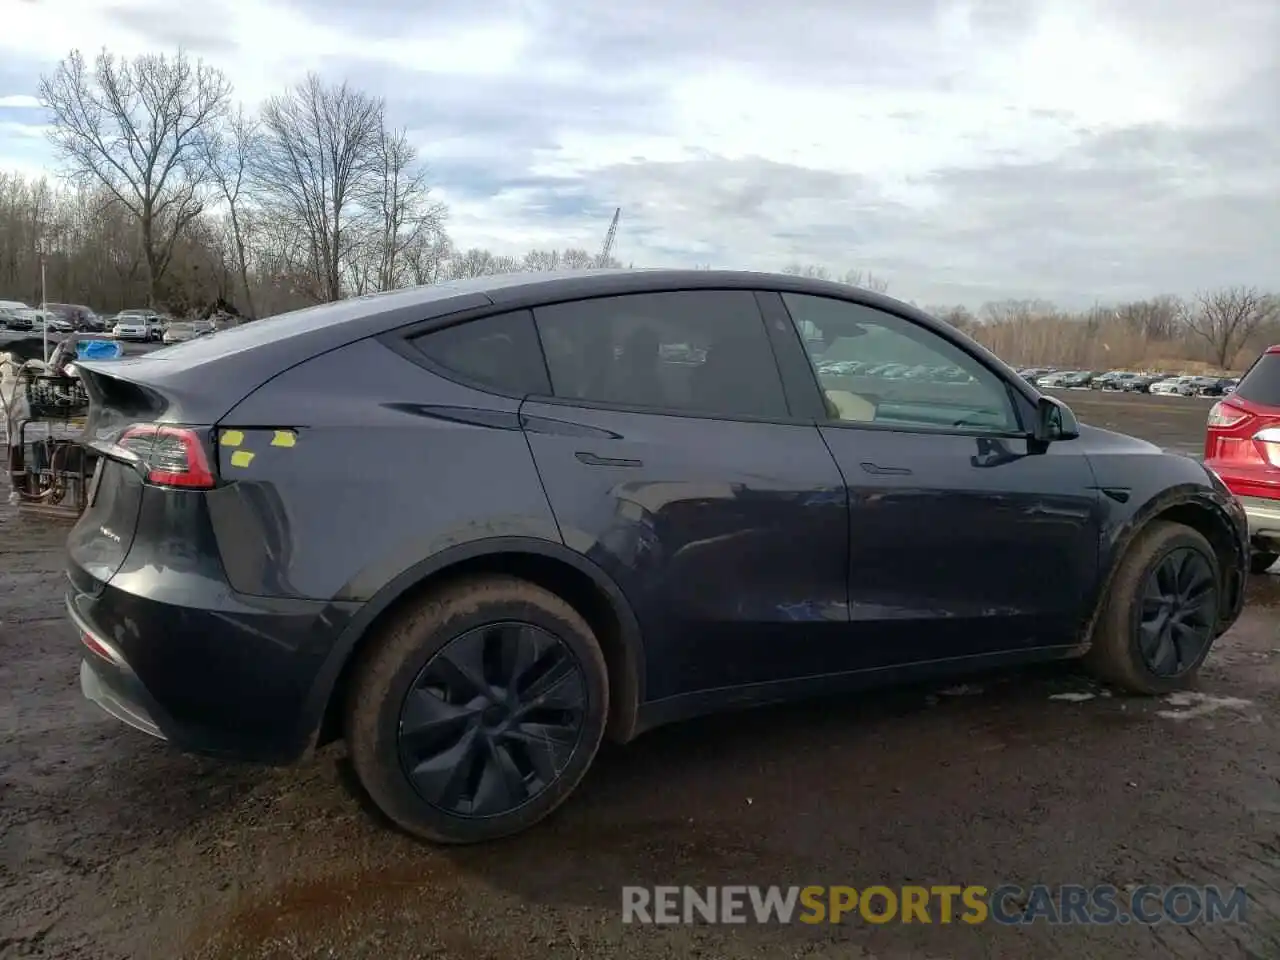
{"type": "Point", "coordinates": [284, 438]}
{"type": "Point", "coordinates": [232, 438]}
{"type": "Point", "coordinates": [241, 458]}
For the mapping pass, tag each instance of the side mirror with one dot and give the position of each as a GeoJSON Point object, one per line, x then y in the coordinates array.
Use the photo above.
{"type": "Point", "coordinates": [1054, 421]}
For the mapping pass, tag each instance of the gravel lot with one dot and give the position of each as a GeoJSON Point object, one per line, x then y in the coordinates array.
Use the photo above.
{"type": "Point", "coordinates": [113, 846]}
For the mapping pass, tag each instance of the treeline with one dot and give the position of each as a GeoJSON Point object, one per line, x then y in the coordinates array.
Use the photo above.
{"type": "Point", "coordinates": [177, 196]}
{"type": "Point", "coordinates": [93, 255]}
{"type": "Point", "coordinates": [1218, 330]}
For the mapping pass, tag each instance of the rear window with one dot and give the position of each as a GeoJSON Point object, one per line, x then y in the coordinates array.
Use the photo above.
{"type": "Point", "coordinates": [1262, 383]}
{"type": "Point", "coordinates": [500, 353]}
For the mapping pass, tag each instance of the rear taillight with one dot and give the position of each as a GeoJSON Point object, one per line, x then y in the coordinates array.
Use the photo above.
{"type": "Point", "coordinates": [1267, 442]}
{"type": "Point", "coordinates": [171, 456]}
{"type": "Point", "coordinates": [1225, 415]}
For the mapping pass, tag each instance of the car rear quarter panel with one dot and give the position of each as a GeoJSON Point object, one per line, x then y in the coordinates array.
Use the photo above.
{"type": "Point", "coordinates": [383, 464]}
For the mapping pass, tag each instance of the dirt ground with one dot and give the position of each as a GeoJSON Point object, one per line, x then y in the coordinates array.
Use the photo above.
{"type": "Point", "coordinates": [112, 845]}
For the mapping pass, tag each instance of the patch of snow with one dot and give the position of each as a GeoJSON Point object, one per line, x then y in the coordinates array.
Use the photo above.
{"type": "Point", "coordinates": [962, 690]}
{"type": "Point", "coordinates": [1072, 697]}
{"type": "Point", "coordinates": [1199, 705]}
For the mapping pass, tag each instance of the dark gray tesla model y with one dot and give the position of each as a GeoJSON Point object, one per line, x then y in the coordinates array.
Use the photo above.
{"type": "Point", "coordinates": [474, 528]}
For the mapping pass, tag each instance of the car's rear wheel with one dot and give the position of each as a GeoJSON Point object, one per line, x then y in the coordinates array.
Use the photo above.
{"type": "Point", "coordinates": [478, 711]}
{"type": "Point", "coordinates": [1261, 561]}
{"type": "Point", "coordinates": [1159, 618]}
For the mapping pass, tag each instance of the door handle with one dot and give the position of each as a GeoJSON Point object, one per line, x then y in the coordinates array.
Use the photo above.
{"type": "Point", "coordinates": [591, 460]}
{"type": "Point", "coordinates": [876, 470]}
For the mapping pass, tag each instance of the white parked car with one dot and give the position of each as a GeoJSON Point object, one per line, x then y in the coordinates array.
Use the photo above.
{"type": "Point", "coordinates": [179, 331]}
{"type": "Point", "coordinates": [1169, 386]}
{"type": "Point", "coordinates": [137, 325]}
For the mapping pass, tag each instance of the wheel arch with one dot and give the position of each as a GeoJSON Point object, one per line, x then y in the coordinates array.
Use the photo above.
{"type": "Point", "coordinates": [1194, 507]}
{"type": "Point", "coordinates": [556, 568]}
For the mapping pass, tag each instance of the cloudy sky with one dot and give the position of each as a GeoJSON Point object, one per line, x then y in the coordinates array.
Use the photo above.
{"type": "Point", "coordinates": [972, 150]}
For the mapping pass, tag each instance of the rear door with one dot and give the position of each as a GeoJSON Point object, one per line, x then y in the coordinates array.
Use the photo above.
{"type": "Point", "coordinates": [963, 539]}
{"type": "Point", "coordinates": [671, 458]}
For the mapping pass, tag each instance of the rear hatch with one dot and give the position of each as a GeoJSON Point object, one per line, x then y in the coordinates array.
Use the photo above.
{"type": "Point", "coordinates": [131, 428]}
{"type": "Point", "coordinates": [151, 422]}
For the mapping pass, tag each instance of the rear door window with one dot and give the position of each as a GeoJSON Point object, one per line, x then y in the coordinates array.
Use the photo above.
{"type": "Point", "coordinates": [694, 352]}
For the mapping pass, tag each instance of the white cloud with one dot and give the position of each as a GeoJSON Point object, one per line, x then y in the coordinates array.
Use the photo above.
{"type": "Point", "coordinates": [922, 138]}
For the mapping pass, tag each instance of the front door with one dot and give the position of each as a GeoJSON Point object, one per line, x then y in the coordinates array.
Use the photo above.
{"type": "Point", "coordinates": [670, 458]}
{"type": "Point", "coordinates": [963, 540]}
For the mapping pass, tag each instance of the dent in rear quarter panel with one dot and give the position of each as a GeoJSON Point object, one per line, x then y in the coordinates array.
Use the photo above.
{"type": "Point", "coordinates": [391, 464]}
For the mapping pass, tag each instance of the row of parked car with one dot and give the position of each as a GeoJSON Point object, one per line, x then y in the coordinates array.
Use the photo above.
{"type": "Point", "coordinates": [56, 318]}
{"type": "Point", "coordinates": [893, 371]}
{"type": "Point", "coordinates": [145, 326]}
{"type": "Point", "coordinates": [1164, 384]}
{"type": "Point", "coordinates": [141, 325]}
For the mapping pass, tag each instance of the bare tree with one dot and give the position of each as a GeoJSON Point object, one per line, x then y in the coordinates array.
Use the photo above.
{"type": "Point", "coordinates": [1154, 319]}
{"type": "Point", "coordinates": [477, 262]}
{"type": "Point", "coordinates": [135, 128]}
{"type": "Point", "coordinates": [958, 315]}
{"type": "Point", "coordinates": [542, 260]}
{"type": "Point", "coordinates": [575, 258]}
{"type": "Point", "coordinates": [854, 278]}
{"type": "Point", "coordinates": [1016, 311]}
{"type": "Point", "coordinates": [428, 258]}
{"type": "Point", "coordinates": [866, 280]}
{"type": "Point", "coordinates": [1226, 318]}
{"type": "Point", "coordinates": [810, 270]}
{"type": "Point", "coordinates": [228, 152]}
{"type": "Point", "coordinates": [399, 205]}
{"type": "Point", "coordinates": [315, 163]}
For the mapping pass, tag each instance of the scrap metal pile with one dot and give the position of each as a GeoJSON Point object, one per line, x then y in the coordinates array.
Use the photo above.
{"type": "Point", "coordinates": [44, 407]}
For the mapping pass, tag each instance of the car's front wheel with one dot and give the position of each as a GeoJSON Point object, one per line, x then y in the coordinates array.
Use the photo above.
{"type": "Point", "coordinates": [1160, 615]}
{"type": "Point", "coordinates": [477, 712]}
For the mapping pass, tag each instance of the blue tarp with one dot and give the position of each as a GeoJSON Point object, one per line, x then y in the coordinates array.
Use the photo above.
{"type": "Point", "coordinates": [98, 350]}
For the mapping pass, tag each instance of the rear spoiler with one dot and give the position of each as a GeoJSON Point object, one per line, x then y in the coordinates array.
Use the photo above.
{"type": "Point", "coordinates": [143, 389]}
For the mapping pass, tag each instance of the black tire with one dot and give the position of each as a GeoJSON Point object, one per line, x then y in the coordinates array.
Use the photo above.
{"type": "Point", "coordinates": [1260, 562]}
{"type": "Point", "coordinates": [395, 664]}
{"type": "Point", "coordinates": [1116, 654]}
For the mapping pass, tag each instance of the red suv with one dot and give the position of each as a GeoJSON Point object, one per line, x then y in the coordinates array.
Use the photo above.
{"type": "Point", "coordinates": [1242, 446]}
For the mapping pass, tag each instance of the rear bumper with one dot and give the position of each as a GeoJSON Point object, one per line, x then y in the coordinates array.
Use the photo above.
{"type": "Point", "coordinates": [105, 688]}
{"type": "Point", "coordinates": [231, 677]}
{"type": "Point", "coordinates": [1264, 520]}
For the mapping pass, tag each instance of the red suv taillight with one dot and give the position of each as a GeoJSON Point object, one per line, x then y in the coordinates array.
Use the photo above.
{"type": "Point", "coordinates": [172, 456]}
{"type": "Point", "coordinates": [1223, 414]}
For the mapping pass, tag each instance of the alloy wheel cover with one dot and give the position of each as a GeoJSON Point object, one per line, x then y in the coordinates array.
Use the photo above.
{"type": "Point", "coordinates": [493, 719]}
{"type": "Point", "coordinates": [1177, 612]}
